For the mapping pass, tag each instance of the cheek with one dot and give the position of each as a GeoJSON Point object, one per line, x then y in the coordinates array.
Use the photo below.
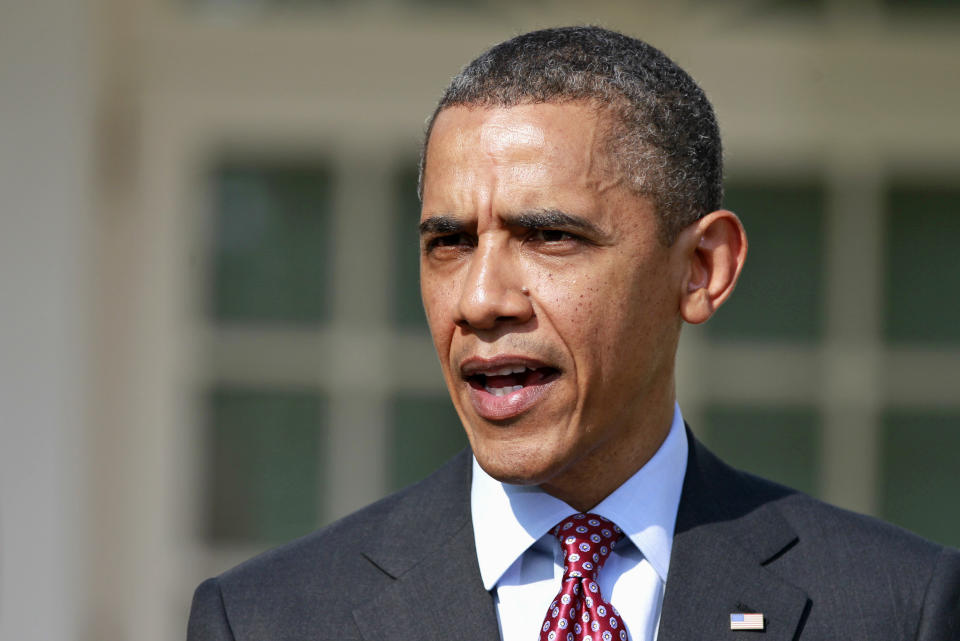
{"type": "Point", "coordinates": [607, 316]}
{"type": "Point", "coordinates": [436, 290]}
{"type": "Point", "coordinates": [585, 310]}
{"type": "Point", "coordinates": [439, 293]}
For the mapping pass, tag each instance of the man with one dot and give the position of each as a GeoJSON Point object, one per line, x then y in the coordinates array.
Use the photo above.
{"type": "Point", "coordinates": [571, 222]}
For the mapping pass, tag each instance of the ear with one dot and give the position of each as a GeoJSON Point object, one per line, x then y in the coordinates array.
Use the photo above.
{"type": "Point", "coordinates": [715, 248]}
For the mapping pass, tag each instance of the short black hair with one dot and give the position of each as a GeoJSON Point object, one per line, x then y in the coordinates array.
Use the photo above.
{"type": "Point", "coordinates": [664, 138]}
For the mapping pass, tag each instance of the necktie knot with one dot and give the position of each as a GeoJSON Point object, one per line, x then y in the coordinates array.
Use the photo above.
{"type": "Point", "coordinates": [586, 541]}
{"type": "Point", "coordinates": [579, 612]}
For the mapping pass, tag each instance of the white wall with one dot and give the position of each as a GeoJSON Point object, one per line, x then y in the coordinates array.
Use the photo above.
{"type": "Point", "coordinates": [46, 128]}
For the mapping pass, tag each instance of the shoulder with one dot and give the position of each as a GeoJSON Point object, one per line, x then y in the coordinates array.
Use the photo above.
{"type": "Point", "coordinates": [841, 535]}
{"type": "Point", "coordinates": [850, 564]}
{"type": "Point", "coordinates": [291, 582]}
{"type": "Point", "coordinates": [832, 541]}
{"type": "Point", "coordinates": [740, 498]}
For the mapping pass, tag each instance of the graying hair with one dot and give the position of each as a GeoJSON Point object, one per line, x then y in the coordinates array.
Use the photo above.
{"type": "Point", "coordinates": [663, 135]}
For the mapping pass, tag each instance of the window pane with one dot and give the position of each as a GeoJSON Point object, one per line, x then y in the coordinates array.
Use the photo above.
{"type": "Point", "coordinates": [408, 310]}
{"type": "Point", "coordinates": [426, 431]}
{"type": "Point", "coordinates": [923, 273]}
{"type": "Point", "coordinates": [780, 292]}
{"type": "Point", "coordinates": [778, 443]}
{"type": "Point", "coordinates": [920, 483]}
{"type": "Point", "coordinates": [265, 450]}
{"type": "Point", "coordinates": [271, 242]}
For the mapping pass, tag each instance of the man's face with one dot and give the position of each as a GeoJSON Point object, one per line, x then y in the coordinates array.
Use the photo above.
{"type": "Point", "coordinates": [552, 304]}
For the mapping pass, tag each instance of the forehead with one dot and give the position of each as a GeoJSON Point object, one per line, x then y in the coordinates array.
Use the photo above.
{"type": "Point", "coordinates": [531, 146]}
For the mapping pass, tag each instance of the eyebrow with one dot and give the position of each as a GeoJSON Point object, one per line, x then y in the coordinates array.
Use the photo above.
{"type": "Point", "coordinates": [553, 219]}
{"type": "Point", "coordinates": [441, 224]}
{"type": "Point", "coordinates": [535, 219]}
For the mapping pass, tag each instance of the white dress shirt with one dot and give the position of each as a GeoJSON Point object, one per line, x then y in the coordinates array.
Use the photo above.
{"type": "Point", "coordinates": [522, 562]}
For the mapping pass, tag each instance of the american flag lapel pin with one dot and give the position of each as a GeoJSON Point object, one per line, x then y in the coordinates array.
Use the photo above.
{"type": "Point", "coordinates": [745, 621]}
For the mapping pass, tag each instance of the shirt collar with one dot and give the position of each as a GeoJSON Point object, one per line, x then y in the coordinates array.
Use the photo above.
{"type": "Point", "coordinates": [508, 519]}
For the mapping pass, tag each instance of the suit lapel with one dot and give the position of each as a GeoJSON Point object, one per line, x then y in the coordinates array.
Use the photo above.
{"type": "Point", "coordinates": [729, 535]}
{"type": "Point", "coordinates": [428, 549]}
{"type": "Point", "coordinates": [440, 598]}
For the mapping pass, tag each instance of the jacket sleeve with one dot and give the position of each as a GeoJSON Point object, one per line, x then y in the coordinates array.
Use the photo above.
{"type": "Point", "coordinates": [208, 618]}
{"type": "Point", "coordinates": [940, 619]}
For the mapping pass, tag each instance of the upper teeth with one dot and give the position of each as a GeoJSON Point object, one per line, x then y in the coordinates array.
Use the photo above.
{"type": "Point", "coordinates": [506, 371]}
{"type": "Point", "coordinates": [503, 391]}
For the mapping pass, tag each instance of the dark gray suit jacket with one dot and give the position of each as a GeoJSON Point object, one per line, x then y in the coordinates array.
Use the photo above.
{"type": "Point", "coordinates": [406, 568]}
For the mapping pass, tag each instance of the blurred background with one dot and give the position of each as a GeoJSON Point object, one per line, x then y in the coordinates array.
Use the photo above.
{"type": "Point", "coordinates": [211, 338]}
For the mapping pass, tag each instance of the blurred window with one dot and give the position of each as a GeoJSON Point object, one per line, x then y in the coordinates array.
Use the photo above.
{"type": "Point", "coordinates": [265, 452]}
{"type": "Point", "coordinates": [920, 483]}
{"type": "Point", "coordinates": [271, 242]}
{"type": "Point", "coordinates": [425, 431]}
{"type": "Point", "coordinates": [270, 248]}
{"type": "Point", "coordinates": [922, 277]}
{"type": "Point", "coordinates": [407, 308]}
{"type": "Point", "coordinates": [780, 292]}
{"type": "Point", "coordinates": [778, 443]}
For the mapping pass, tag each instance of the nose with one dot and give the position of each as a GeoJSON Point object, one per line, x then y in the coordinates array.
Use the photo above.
{"type": "Point", "coordinates": [493, 292]}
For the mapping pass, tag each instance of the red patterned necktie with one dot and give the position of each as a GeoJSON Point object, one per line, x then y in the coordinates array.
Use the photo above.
{"type": "Point", "coordinates": [579, 613]}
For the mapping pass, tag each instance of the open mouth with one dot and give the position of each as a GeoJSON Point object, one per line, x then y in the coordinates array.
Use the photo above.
{"type": "Point", "coordinates": [507, 386]}
{"type": "Point", "coordinates": [506, 380]}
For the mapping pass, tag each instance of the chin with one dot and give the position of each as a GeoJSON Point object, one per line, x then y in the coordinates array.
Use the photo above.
{"type": "Point", "coordinates": [519, 464]}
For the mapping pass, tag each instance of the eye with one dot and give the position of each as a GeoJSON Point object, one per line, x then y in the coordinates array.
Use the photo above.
{"type": "Point", "coordinates": [448, 240]}
{"type": "Point", "coordinates": [552, 236]}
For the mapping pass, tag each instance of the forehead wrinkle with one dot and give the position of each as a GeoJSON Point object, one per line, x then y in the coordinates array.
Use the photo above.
{"type": "Point", "coordinates": [477, 181]}
{"type": "Point", "coordinates": [467, 183]}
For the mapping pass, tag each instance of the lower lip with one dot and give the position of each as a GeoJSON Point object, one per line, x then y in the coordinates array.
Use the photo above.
{"type": "Point", "coordinates": [499, 408]}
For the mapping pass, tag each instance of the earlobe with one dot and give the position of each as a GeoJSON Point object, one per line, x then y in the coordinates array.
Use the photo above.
{"type": "Point", "coordinates": [717, 249]}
